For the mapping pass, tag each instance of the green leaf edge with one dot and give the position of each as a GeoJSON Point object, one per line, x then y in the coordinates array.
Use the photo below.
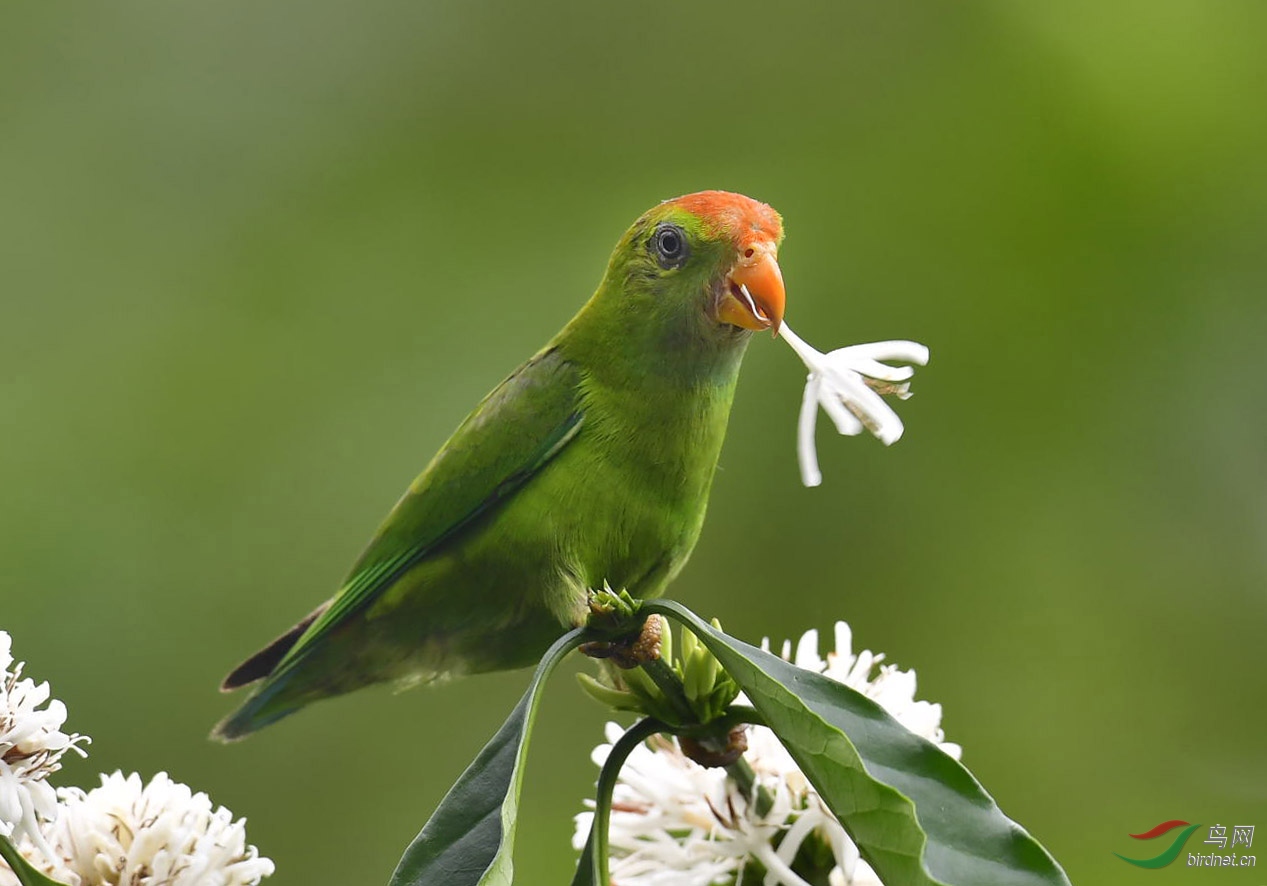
{"type": "Point", "coordinates": [461, 816]}
{"type": "Point", "coordinates": [980, 847]}
{"type": "Point", "coordinates": [26, 874]}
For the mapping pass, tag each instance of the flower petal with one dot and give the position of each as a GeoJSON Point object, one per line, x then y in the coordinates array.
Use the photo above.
{"type": "Point", "coordinates": [806, 454]}
{"type": "Point", "coordinates": [902, 351]}
{"type": "Point", "coordinates": [866, 404]}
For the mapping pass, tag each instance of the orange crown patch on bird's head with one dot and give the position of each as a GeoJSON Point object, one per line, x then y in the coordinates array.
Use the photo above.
{"type": "Point", "coordinates": [745, 220]}
{"type": "Point", "coordinates": [753, 296]}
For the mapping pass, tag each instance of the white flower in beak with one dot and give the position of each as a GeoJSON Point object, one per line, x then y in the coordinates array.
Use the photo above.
{"type": "Point", "coordinates": [848, 384]}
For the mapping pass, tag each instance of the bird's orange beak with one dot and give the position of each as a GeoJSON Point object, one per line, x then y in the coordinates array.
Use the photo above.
{"type": "Point", "coordinates": [754, 296]}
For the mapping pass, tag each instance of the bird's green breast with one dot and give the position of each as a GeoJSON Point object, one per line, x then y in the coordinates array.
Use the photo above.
{"type": "Point", "coordinates": [622, 503]}
{"type": "Point", "coordinates": [639, 477]}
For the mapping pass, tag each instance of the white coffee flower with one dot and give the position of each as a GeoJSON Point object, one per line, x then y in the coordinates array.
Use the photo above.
{"type": "Point", "coordinates": [888, 686]}
{"type": "Point", "coordinates": [676, 822]}
{"type": "Point", "coordinates": [31, 747]}
{"type": "Point", "coordinates": [157, 834]}
{"type": "Point", "coordinates": [848, 384]}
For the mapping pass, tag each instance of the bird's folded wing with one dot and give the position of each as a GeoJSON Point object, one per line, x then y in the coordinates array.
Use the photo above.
{"type": "Point", "coordinates": [514, 432]}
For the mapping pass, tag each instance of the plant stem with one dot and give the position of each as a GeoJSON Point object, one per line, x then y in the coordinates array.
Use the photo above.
{"type": "Point", "coordinates": [595, 857]}
{"type": "Point", "coordinates": [668, 682]}
{"type": "Point", "coordinates": [761, 799]}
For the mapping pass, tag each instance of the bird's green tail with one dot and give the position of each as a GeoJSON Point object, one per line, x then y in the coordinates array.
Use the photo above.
{"type": "Point", "coordinates": [268, 705]}
{"type": "Point", "coordinates": [271, 701]}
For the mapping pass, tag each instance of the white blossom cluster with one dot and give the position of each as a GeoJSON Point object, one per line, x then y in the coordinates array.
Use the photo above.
{"type": "Point", "coordinates": [32, 744]}
{"type": "Point", "coordinates": [676, 823]}
{"type": "Point", "coordinates": [123, 833]}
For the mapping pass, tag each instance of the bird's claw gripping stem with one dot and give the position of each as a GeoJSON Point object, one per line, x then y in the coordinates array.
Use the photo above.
{"type": "Point", "coordinates": [631, 650]}
{"type": "Point", "coordinates": [630, 639]}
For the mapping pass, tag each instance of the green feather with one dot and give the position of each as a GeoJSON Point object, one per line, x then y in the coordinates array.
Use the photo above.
{"type": "Point", "coordinates": [591, 463]}
{"type": "Point", "coordinates": [510, 436]}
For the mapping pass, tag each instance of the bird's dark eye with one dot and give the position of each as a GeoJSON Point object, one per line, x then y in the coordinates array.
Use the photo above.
{"type": "Point", "coordinates": [668, 243]}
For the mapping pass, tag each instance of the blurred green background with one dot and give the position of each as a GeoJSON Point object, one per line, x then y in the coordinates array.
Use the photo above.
{"type": "Point", "coordinates": [258, 260]}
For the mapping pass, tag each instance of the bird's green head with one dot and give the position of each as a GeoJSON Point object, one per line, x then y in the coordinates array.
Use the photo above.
{"type": "Point", "coordinates": [694, 274]}
{"type": "Point", "coordinates": [715, 250]}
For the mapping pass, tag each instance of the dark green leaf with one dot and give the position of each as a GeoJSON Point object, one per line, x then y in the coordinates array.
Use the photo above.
{"type": "Point", "coordinates": [468, 839]}
{"type": "Point", "coordinates": [27, 875]}
{"type": "Point", "coordinates": [918, 816]}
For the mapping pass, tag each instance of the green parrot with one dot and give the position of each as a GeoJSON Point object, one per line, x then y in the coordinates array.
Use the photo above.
{"type": "Point", "coordinates": [590, 464]}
